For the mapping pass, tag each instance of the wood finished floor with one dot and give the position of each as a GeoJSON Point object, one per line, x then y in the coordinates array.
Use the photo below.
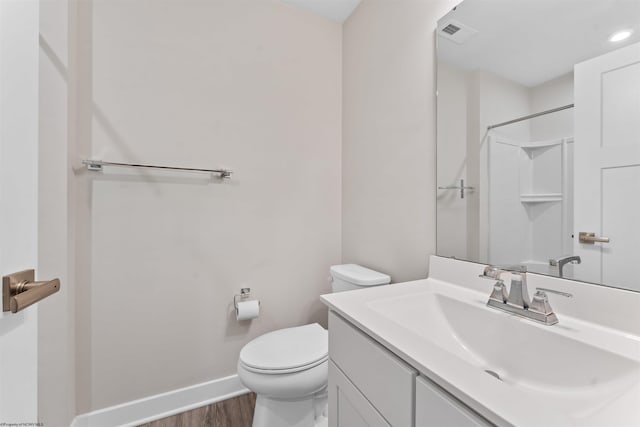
{"type": "Point", "coordinates": [236, 412]}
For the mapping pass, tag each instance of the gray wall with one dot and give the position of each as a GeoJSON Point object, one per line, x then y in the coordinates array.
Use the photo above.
{"type": "Point", "coordinates": [388, 136]}
{"type": "Point", "coordinates": [255, 86]}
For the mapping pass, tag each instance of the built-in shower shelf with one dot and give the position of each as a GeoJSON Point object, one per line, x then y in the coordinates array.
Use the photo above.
{"type": "Point", "coordinates": [541, 198]}
{"type": "Point", "coordinates": [541, 144]}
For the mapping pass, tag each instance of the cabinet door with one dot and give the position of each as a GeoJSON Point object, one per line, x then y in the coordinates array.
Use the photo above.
{"type": "Point", "coordinates": [436, 408]}
{"type": "Point", "coordinates": [347, 406]}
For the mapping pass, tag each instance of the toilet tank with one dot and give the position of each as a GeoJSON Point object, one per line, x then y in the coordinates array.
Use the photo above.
{"type": "Point", "coordinates": [347, 277]}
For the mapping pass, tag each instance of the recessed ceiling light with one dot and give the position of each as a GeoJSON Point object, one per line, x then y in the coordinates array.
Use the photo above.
{"type": "Point", "coordinates": [620, 35]}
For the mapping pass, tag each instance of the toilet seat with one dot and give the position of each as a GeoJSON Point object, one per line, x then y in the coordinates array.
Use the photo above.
{"type": "Point", "coordinates": [284, 371]}
{"type": "Point", "coordinates": [286, 350]}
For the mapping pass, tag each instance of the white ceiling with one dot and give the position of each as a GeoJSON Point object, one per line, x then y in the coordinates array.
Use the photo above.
{"type": "Point", "coordinates": [533, 41]}
{"type": "Point", "coordinates": [335, 10]}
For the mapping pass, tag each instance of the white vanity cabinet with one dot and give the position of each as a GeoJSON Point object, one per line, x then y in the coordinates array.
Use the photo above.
{"type": "Point", "coordinates": [371, 386]}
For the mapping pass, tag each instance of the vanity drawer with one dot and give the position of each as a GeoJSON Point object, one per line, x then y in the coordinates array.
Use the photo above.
{"type": "Point", "coordinates": [385, 380]}
{"type": "Point", "coordinates": [436, 407]}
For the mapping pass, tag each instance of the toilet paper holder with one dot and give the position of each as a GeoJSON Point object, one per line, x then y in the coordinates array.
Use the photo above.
{"type": "Point", "coordinates": [245, 293]}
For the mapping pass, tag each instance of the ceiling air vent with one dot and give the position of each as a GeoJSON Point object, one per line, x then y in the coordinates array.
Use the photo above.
{"type": "Point", "coordinates": [451, 29]}
{"type": "Point", "coordinates": [456, 31]}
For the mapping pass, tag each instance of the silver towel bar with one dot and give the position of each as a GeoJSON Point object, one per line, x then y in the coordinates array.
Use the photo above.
{"type": "Point", "coordinates": [96, 166]}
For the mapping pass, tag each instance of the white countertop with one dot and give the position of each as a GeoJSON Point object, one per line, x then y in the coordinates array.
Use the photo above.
{"type": "Point", "coordinates": [498, 401]}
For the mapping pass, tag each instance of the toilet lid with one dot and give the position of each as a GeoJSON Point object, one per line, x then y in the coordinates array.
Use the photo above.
{"type": "Point", "coordinates": [287, 349]}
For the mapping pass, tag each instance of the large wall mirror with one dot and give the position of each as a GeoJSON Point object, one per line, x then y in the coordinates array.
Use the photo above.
{"type": "Point", "coordinates": [539, 137]}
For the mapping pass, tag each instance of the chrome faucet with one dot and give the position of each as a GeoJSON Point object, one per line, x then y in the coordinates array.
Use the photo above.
{"type": "Point", "coordinates": [562, 261]}
{"type": "Point", "coordinates": [516, 301]}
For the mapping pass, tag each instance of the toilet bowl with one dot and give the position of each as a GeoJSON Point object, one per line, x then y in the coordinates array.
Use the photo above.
{"type": "Point", "coordinates": [288, 368]}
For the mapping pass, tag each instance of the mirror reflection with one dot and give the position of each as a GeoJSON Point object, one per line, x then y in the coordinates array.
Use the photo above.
{"type": "Point", "coordinates": [539, 136]}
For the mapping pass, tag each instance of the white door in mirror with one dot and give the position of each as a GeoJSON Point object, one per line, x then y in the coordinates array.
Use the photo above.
{"type": "Point", "coordinates": [607, 166]}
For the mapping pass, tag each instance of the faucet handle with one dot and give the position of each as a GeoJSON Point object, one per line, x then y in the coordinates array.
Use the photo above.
{"type": "Point", "coordinates": [494, 272]}
{"type": "Point", "coordinates": [499, 293]}
{"type": "Point", "coordinates": [513, 268]}
{"type": "Point", "coordinates": [491, 272]}
{"type": "Point", "coordinates": [553, 291]}
{"type": "Point", "coordinates": [540, 303]}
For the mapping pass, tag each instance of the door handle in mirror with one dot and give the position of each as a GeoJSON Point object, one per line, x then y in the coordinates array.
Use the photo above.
{"type": "Point", "coordinates": [591, 238]}
{"type": "Point", "coordinates": [19, 290]}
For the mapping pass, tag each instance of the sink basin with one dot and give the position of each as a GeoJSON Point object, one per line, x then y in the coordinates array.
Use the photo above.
{"type": "Point", "coordinates": [543, 360]}
{"type": "Point", "coordinates": [532, 355]}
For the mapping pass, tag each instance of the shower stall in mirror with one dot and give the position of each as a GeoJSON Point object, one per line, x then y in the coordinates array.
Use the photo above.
{"type": "Point", "coordinates": [519, 211]}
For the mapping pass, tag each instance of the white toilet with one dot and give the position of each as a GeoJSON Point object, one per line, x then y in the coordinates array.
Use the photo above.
{"type": "Point", "coordinates": [288, 368]}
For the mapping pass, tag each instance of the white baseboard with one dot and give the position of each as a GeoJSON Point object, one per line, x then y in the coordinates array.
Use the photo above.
{"type": "Point", "coordinates": [163, 405]}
